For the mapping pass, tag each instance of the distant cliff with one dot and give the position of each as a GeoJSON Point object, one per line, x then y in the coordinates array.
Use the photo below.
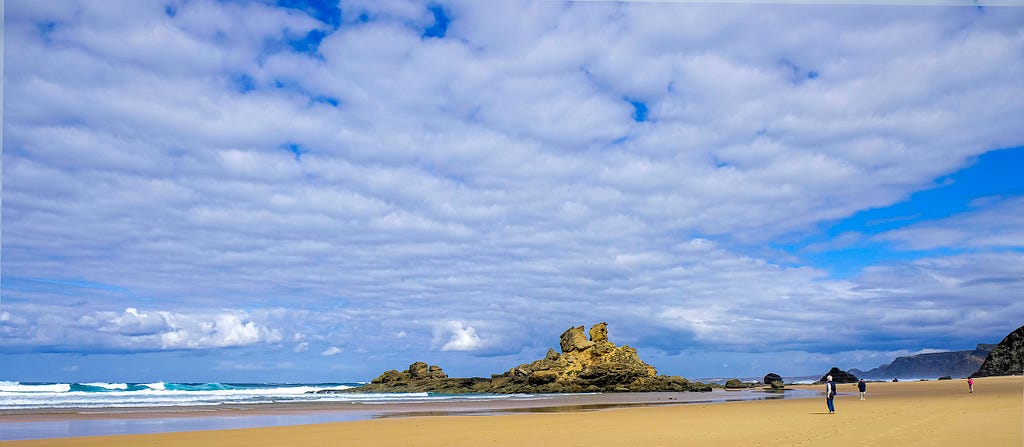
{"type": "Point", "coordinates": [930, 366]}
{"type": "Point", "coordinates": [1007, 358]}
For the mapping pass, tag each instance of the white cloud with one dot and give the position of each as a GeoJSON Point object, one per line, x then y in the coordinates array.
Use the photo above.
{"type": "Point", "coordinates": [132, 322]}
{"type": "Point", "coordinates": [496, 176]}
{"type": "Point", "coordinates": [331, 351]}
{"type": "Point", "coordinates": [219, 331]}
{"type": "Point", "coordinates": [463, 338]}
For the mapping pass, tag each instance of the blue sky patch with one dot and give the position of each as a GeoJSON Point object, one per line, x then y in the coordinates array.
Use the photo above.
{"type": "Point", "coordinates": [244, 83]}
{"type": "Point", "coordinates": [326, 11]}
{"type": "Point", "coordinates": [994, 174]}
{"type": "Point", "coordinates": [309, 44]}
{"type": "Point", "coordinates": [639, 110]}
{"type": "Point", "coordinates": [440, 26]}
{"type": "Point", "coordinates": [296, 149]}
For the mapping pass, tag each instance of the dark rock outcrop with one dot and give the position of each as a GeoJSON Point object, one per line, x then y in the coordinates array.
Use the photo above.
{"type": "Point", "coordinates": [1007, 358]}
{"type": "Point", "coordinates": [839, 376]}
{"type": "Point", "coordinates": [928, 366]}
{"type": "Point", "coordinates": [774, 380]}
{"type": "Point", "coordinates": [734, 384]}
{"type": "Point", "coordinates": [584, 365]}
{"type": "Point", "coordinates": [422, 377]}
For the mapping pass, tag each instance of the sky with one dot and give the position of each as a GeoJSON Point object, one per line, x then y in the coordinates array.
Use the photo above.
{"type": "Point", "coordinates": [317, 192]}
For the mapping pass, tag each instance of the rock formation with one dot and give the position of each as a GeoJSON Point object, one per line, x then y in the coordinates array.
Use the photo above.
{"type": "Point", "coordinates": [1007, 358]}
{"type": "Point", "coordinates": [773, 380]}
{"type": "Point", "coordinates": [422, 377]}
{"type": "Point", "coordinates": [583, 365]}
{"type": "Point", "coordinates": [929, 366]}
{"type": "Point", "coordinates": [734, 384]}
{"type": "Point", "coordinates": [839, 376]}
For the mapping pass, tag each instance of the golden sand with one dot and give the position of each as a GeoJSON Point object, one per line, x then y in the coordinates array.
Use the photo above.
{"type": "Point", "coordinates": [933, 413]}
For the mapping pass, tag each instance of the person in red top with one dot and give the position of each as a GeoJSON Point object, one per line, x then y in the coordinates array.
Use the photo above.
{"type": "Point", "coordinates": [970, 384]}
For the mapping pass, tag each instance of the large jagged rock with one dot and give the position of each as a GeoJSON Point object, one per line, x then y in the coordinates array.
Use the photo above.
{"type": "Point", "coordinates": [1007, 359]}
{"type": "Point", "coordinates": [839, 376]}
{"type": "Point", "coordinates": [599, 333]}
{"type": "Point", "coordinates": [584, 365]}
{"type": "Point", "coordinates": [575, 340]}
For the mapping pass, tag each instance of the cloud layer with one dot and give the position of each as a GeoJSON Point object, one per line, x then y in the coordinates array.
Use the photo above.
{"type": "Point", "coordinates": [470, 180]}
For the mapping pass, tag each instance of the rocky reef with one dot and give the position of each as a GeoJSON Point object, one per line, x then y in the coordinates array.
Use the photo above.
{"type": "Point", "coordinates": [1007, 358]}
{"type": "Point", "coordinates": [584, 364]}
{"type": "Point", "coordinates": [421, 377]}
{"type": "Point", "coordinates": [839, 376]}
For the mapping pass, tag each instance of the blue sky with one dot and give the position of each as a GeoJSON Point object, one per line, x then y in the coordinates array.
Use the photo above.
{"type": "Point", "coordinates": [312, 191]}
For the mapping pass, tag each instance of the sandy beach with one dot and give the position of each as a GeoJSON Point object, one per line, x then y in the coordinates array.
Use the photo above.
{"type": "Point", "coordinates": [933, 413]}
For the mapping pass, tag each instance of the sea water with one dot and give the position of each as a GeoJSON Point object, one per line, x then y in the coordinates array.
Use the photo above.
{"type": "Point", "coordinates": [36, 395]}
{"type": "Point", "coordinates": [30, 397]}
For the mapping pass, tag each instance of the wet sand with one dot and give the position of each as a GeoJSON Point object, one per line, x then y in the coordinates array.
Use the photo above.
{"type": "Point", "coordinates": [940, 413]}
{"type": "Point", "coordinates": [77, 422]}
{"type": "Point", "coordinates": [410, 407]}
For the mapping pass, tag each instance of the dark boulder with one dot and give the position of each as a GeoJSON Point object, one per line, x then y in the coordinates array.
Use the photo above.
{"type": "Point", "coordinates": [839, 376]}
{"type": "Point", "coordinates": [771, 378]}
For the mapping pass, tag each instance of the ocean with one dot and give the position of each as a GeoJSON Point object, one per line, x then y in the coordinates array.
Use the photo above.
{"type": "Point", "coordinates": [46, 395]}
{"type": "Point", "coordinates": [177, 402]}
{"type": "Point", "coordinates": [54, 395]}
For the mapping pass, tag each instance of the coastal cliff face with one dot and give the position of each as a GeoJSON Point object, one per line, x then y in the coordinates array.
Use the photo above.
{"type": "Point", "coordinates": [929, 366]}
{"type": "Point", "coordinates": [1007, 358]}
{"type": "Point", "coordinates": [584, 364]}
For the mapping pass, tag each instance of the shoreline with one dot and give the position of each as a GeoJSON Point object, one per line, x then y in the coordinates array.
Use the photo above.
{"type": "Point", "coordinates": [74, 422]}
{"type": "Point", "coordinates": [939, 413]}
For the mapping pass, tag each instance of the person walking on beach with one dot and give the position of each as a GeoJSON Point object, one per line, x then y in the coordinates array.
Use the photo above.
{"type": "Point", "coordinates": [970, 384]}
{"type": "Point", "coordinates": [830, 395]}
{"type": "Point", "coordinates": [863, 387]}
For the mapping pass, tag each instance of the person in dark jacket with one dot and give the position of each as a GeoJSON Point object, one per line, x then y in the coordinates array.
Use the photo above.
{"type": "Point", "coordinates": [863, 387]}
{"type": "Point", "coordinates": [830, 395]}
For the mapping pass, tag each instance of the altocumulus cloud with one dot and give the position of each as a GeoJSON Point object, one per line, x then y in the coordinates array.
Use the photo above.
{"type": "Point", "coordinates": [463, 338]}
{"type": "Point", "coordinates": [331, 351]}
{"type": "Point", "coordinates": [139, 330]}
{"type": "Point", "coordinates": [355, 174]}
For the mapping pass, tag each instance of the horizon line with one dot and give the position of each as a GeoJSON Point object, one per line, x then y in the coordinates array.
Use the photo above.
{"type": "Point", "coordinates": [928, 3]}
